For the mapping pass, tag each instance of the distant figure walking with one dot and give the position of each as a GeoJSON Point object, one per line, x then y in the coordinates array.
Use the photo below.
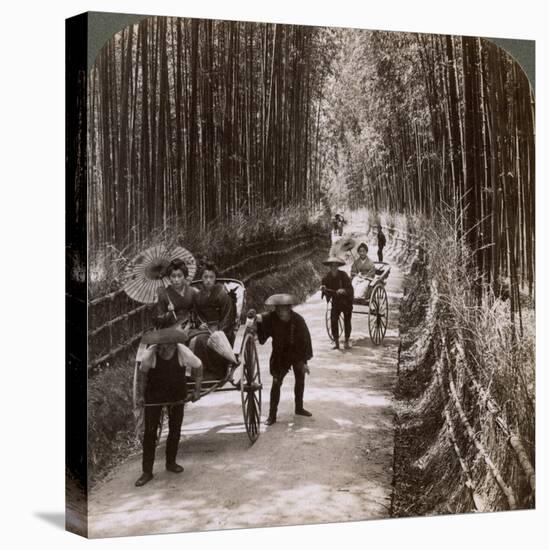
{"type": "Point", "coordinates": [381, 241]}
{"type": "Point", "coordinates": [338, 223]}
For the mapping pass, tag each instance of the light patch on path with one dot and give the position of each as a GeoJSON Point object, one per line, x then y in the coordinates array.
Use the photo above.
{"type": "Point", "coordinates": [335, 466]}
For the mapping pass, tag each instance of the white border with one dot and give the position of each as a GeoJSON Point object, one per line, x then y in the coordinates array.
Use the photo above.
{"type": "Point", "coordinates": [32, 212]}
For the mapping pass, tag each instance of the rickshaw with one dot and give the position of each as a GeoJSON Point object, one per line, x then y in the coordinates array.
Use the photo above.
{"type": "Point", "coordinates": [242, 375]}
{"type": "Point", "coordinates": [376, 305]}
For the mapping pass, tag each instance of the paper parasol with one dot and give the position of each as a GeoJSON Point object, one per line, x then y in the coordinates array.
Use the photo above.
{"type": "Point", "coordinates": [183, 254]}
{"type": "Point", "coordinates": [341, 246]}
{"type": "Point", "coordinates": [346, 244]}
{"type": "Point", "coordinates": [147, 271]}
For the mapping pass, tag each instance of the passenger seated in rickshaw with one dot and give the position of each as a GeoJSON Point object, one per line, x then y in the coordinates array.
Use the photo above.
{"type": "Point", "coordinates": [362, 270]}
{"type": "Point", "coordinates": [175, 301]}
{"type": "Point", "coordinates": [215, 310]}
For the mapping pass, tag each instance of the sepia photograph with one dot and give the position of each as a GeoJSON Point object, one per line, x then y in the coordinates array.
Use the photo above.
{"type": "Point", "coordinates": [305, 261]}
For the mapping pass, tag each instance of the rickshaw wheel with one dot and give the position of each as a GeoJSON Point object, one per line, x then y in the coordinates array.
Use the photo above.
{"type": "Point", "coordinates": [378, 314]}
{"type": "Point", "coordinates": [134, 389]}
{"type": "Point", "coordinates": [138, 415]}
{"type": "Point", "coordinates": [329, 323]}
{"type": "Point", "coordinates": [250, 387]}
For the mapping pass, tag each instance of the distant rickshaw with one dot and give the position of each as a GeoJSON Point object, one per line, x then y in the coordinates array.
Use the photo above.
{"type": "Point", "coordinates": [375, 305]}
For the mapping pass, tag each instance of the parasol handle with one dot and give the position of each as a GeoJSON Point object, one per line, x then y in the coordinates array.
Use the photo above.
{"type": "Point", "coordinates": [169, 301]}
{"type": "Point", "coordinates": [204, 323]}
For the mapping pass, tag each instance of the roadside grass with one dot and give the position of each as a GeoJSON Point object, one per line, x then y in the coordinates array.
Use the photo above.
{"type": "Point", "coordinates": [445, 329]}
{"type": "Point", "coordinates": [220, 242]}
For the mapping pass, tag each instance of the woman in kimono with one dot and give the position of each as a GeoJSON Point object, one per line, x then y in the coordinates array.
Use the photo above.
{"type": "Point", "coordinates": [215, 310]}
{"type": "Point", "coordinates": [175, 301]}
{"type": "Point", "coordinates": [362, 271]}
{"type": "Point", "coordinates": [213, 305]}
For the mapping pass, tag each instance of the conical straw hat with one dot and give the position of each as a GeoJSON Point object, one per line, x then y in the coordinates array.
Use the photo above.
{"type": "Point", "coordinates": [165, 336]}
{"type": "Point", "coordinates": [281, 300]}
{"type": "Point", "coordinates": [333, 260]}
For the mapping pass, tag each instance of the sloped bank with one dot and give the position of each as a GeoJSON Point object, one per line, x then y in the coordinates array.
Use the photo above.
{"type": "Point", "coordinates": [464, 430]}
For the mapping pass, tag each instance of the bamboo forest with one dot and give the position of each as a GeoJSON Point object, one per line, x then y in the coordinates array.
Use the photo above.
{"type": "Point", "coordinates": [283, 155]}
{"type": "Point", "coordinates": [228, 117]}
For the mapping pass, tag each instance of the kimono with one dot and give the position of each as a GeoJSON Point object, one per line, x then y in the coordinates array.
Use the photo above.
{"type": "Point", "coordinates": [359, 270]}
{"type": "Point", "coordinates": [218, 311]}
{"type": "Point", "coordinates": [365, 267]}
{"type": "Point", "coordinates": [182, 304]}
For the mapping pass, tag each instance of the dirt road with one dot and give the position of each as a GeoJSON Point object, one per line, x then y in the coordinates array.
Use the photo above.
{"type": "Point", "coordinates": [335, 466]}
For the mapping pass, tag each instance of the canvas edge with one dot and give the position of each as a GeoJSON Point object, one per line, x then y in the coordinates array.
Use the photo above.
{"type": "Point", "coordinates": [76, 461]}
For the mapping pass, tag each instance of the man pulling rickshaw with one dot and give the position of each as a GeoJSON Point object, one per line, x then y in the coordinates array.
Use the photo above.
{"type": "Point", "coordinates": [292, 349]}
{"type": "Point", "coordinates": [165, 366]}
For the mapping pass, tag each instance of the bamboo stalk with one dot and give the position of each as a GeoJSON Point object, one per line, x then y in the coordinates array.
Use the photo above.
{"type": "Point", "coordinates": [116, 350]}
{"type": "Point", "coordinates": [493, 408]}
{"type": "Point", "coordinates": [507, 491]}
{"type": "Point", "coordinates": [122, 317]}
{"type": "Point", "coordinates": [478, 501]}
{"type": "Point", "coordinates": [522, 457]}
{"type": "Point", "coordinates": [281, 266]}
{"type": "Point", "coordinates": [263, 255]}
